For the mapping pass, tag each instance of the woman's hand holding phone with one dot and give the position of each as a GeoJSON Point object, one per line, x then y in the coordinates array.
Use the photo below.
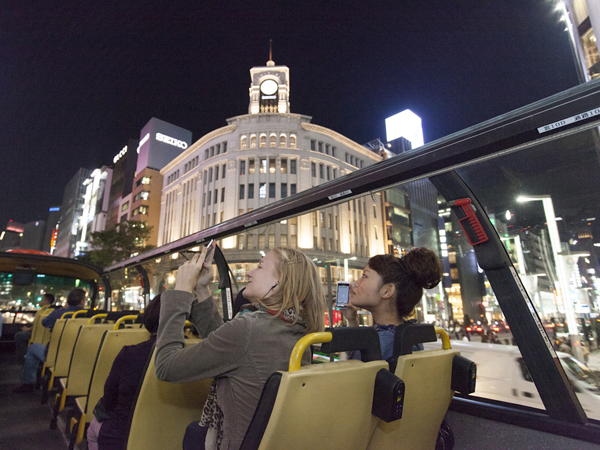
{"type": "Point", "coordinates": [189, 272]}
{"type": "Point", "coordinates": [206, 274]}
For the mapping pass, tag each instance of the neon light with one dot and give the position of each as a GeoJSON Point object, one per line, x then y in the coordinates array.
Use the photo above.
{"type": "Point", "coordinates": [171, 141]}
{"type": "Point", "coordinates": [407, 125]}
{"type": "Point", "coordinates": [54, 209]}
{"type": "Point", "coordinates": [120, 154]}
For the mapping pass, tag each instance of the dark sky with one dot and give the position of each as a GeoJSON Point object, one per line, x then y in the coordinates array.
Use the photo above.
{"type": "Point", "coordinates": [77, 82]}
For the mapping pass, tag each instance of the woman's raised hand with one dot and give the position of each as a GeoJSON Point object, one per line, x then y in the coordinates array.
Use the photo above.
{"type": "Point", "coordinates": [189, 271]}
{"type": "Point", "coordinates": [206, 275]}
{"type": "Point", "coordinates": [350, 313]}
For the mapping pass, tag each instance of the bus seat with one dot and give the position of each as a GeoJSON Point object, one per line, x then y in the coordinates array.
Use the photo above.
{"type": "Point", "coordinates": [83, 360]}
{"type": "Point", "coordinates": [55, 336]}
{"type": "Point", "coordinates": [322, 405]}
{"type": "Point", "coordinates": [65, 349]}
{"type": "Point", "coordinates": [428, 378]}
{"type": "Point", "coordinates": [111, 344]}
{"type": "Point", "coordinates": [163, 410]}
{"type": "Point", "coordinates": [37, 329]}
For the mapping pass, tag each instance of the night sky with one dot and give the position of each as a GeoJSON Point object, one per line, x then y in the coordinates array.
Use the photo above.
{"type": "Point", "coordinates": [77, 82]}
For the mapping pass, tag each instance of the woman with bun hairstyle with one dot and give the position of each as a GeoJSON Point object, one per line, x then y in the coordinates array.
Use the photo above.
{"type": "Point", "coordinates": [287, 303]}
{"type": "Point", "coordinates": [390, 288]}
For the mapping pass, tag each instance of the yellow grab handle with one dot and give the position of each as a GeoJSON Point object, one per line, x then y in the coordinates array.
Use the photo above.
{"type": "Point", "coordinates": [80, 429]}
{"type": "Point", "coordinates": [97, 316]}
{"type": "Point", "coordinates": [68, 313]}
{"type": "Point", "coordinates": [188, 324]}
{"type": "Point", "coordinates": [44, 307]}
{"type": "Point", "coordinates": [81, 311]}
{"type": "Point", "coordinates": [303, 344]}
{"type": "Point", "coordinates": [444, 337]}
{"type": "Point", "coordinates": [123, 319]}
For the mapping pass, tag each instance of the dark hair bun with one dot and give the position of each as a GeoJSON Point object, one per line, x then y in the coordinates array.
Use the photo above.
{"type": "Point", "coordinates": [424, 267]}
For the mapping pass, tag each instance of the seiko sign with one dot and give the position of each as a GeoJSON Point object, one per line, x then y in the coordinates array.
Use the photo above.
{"type": "Point", "coordinates": [171, 141]}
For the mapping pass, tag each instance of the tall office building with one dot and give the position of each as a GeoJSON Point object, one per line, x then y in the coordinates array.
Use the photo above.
{"type": "Point", "coordinates": [51, 229]}
{"type": "Point", "coordinates": [71, 211]}
{"type": "Point", "coordinates": [125, 163]}
{"type": "Point", "coordinates": [582, 19]}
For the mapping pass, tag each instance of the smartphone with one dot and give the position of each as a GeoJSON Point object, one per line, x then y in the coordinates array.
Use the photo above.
{"type": "Point", "coordinates": [343, 294]}
{"type": "Point", "coordinates": [211, 245]}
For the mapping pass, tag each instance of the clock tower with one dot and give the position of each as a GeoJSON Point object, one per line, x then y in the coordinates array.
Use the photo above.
{"type": "Point", "coordinates": [269, 89]}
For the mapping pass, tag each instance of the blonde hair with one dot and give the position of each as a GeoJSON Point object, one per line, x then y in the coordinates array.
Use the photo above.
{"type": "Point", "coordinates": [299, 288]}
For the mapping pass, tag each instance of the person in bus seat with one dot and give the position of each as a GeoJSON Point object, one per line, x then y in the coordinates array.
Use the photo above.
{"type": "Point", "coordinates": [287, 303]}
{"type": "Point", "coordinates": [389, 289]}
{"type": "Point", "coordinates": [108, 431]}
{"type": "Point", "coordinates": [36, 353]}
{"type": "Point", "coordinates": [22, 337]}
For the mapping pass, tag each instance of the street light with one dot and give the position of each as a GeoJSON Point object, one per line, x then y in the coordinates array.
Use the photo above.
{"type": "Point", "coordinates": [563, 279]}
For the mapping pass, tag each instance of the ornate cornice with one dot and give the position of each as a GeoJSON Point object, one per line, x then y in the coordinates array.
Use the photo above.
{"type": "Point", "coordinates": [196, 145]}
{"type": "Point", "coordinates": [341, 139]}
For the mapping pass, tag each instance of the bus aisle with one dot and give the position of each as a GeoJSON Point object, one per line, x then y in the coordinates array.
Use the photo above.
{"type": "Point", "coordinates": [23, 420]}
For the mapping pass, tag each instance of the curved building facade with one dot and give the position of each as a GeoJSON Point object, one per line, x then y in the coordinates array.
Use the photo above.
{"type": "Point", "coordinates": [262, 157]}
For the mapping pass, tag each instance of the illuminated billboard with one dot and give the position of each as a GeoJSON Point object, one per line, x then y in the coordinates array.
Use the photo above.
{"type": "Point", "coordinates": [160, 143]}
{"type": "Point", "coordinates": [407, 125]}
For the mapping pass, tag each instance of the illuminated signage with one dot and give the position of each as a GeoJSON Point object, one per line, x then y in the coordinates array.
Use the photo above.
{"type": "Point", "coordinates": [120, 155]}
{"type": "Point", "coordinates": [407, 125]}
{"type": "Point", "coordinates": [171, 141]}
{"type": "Point", "coordinates": [143, 141]}
{"type": "Point", "coordinates": [54, 209]}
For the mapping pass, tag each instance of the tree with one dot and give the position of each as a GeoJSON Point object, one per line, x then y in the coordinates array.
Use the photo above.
{"type": "Point", "coordinates": [118, 244]}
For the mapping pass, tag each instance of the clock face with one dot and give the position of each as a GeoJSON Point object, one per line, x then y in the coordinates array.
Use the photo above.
{"type": "Point", "coordinates": [268, 87]}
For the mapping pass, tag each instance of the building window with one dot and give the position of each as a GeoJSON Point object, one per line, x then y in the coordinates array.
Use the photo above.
{"type": "Point", "coordinates": [224, 171]}
{"type": "Point", "coordinates": [261, 241]}
{"type": "Point", "coordinates": [292, 141]}
{"type": "Point", "coordinates": [323, 244]}
{"type": "Point", "coordinates": [251, 165]}
{"type": "Point", "coordinates": [253, 141]}
{"type": "Point", "coordinates": [337, 223]}
{"type": "Point", "coordinates": [334, 174]}
{"type": "Point", "coordinates": [205, 178]}
{"type": "Point", "coordinates": [273, 141]}
{"type": "Point", "coordinates": [263, 140]}
{"type": "Point", "coordinates": [313, 169]}
{"type": "Point", "coordinates": [141, 210]}
{"type": "Point", "coordinates": [362, 163]}
{"type": "Point", "coordinates": [271, 241]}
{"type": "Point", "coordinates": [249, 241]}
{"type": "Point", "coordinates": [216, 196]}
{"type": "Point", "coordinates": [350, 227]}
{"type": "Point", "coordinates": [351, 160]}
{"type": "Point", "coordinates": [218, 149]}
{"type": "Point", "coordinates": [210, 175]}
{"type": "Point", "coordinates": [242, 193]}
{"type": "Point", "coordinates": [206, 154]}
{"type": "Point", "coordinates": [283, 240]}
{"type": "Point", "coordinates": [262, 190]}
{"type": "Point", "coordinates": [294, 241]}
{"type": "Point", "coordinates": [251, 190]}
{"type": "Point", "coordinates": [272, 165]}
{"type": "Point", "coordinates": [212, 151]}
{"type": "Point", "coordinates": [222, 195]}
{"type": "Point", "coordinates": [330, 221]}
{"type": "Point", "coordinates": [225, 147]}
{"type": "Point", "coordinates": [320, 147]}
{"type": "Point", "coordinates": [282, 140]}
{"type": "Point", "coordinates": [313, 145]}
{"type": "Point", "coordinates": [271, 190]}
{"type": "Point", "coordinates": [123, 218]}
{"type": "Point", "coordinates": [240, 241]}
{"type": "Point", "coordinates": [216, 173]}
{"type": "Point", "coordinates": [346, 156]}
{"type": "Point", "coordinates": [314, 217]}
{"type": "Point", "coordinates": [359, 207]}
{"type": "Point", "coordinates": [375, 229]}
{"type": "Point", "coordinates": [204, 200]}
{"type": "Point", "coordinates": [333, 152]}
{"type": "Point", "coordinates": [294, 221]}
{"type": "Point", "coordinates": [283, 165]}
{"type": "Point", "coordinates": [243, 144]}
{"type": "Point", "coordinates": [124, 206]}
{"type": "Point", "coordinates": [374, 212]}
{"type": "Point", "coordinates": [330, 245]}
{"type": "Point", "coordinates": [293, 189]}
{"type": "Point", "coordinates": [283, 190]}
{"type": "Point", "coordinates": [322, 219]}
{"type": "Point", "coordinates": [222, 218]}
{"type": "Point", "coordinates": [315, 242]}
{"type": "Point", "coordinates": [142, 195]}
{"type": "Point", "coordinates": [209, 198]}
{"type": "Point", "coordinates": [242, 167]}
{"type": "Point", "coordinates": [321, 171]}
{"type": "Point", "coordinates": [328, 173]}
{"type": "Point", "coordinates": [293, 166]}
{"type": "Point", "coordinates": [263, 165]}
{"type": "Point", "coordinates": [146, 180]}
{"type": "Point", "coordinates": [327, 149]}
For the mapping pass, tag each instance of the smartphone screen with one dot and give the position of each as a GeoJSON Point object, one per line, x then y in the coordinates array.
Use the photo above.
{"type": "Point", "coordinates": [343, 292]}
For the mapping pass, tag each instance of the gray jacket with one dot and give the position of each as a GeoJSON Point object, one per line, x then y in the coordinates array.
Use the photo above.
{"type": "Point", "coordinates": [240, 354]}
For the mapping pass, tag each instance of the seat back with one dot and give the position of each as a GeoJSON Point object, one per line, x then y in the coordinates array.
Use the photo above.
{"type": "Point", "coordinates": [84, 358]}
{"type": "Point", "coordinates": [324, 406]}
{"type": "Point", "coordinates": [55, 336]}
{"type": "Point", "coordinates": [66, 346]}
{"type": "Point", "coordinates": [427, 376]}
{"type": "Point", "coordinates": [37, 329]}
{"type": "Point", "coordinates": [112, 343]}
{"type": "Point", "coordinates": [164, 410]}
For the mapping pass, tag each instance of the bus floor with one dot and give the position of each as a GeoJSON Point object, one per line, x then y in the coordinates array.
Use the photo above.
{"type": "Point", "coordinates": [24, 422]}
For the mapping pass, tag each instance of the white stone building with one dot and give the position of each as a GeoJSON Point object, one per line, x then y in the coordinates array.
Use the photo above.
{"type": "Point", "coordinates": [262, 157]}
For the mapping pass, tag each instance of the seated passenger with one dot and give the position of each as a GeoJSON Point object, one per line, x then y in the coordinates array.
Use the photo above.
{"type": "Point", "coordinates": [389, 289]}
{"type": "Point", "coordinates": [36, 353]}
{"type": "Point", "coordinates": [22, 337]}
{"type": "Point", "coordinates": [109, 432]}
{"type": "Point", "coordinates": [241, 355]}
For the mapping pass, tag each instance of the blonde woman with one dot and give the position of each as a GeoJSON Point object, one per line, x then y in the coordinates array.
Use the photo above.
{"type": "Point", "coordinates": [287, 303]}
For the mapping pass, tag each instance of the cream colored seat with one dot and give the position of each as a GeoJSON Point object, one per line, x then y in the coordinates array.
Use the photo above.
{"type": "Point", "coordinates": [77, 382]}
{"type": "Point", "coordinates": [111, 344]}
{"type": "Point", "coordinates": [37, 329]}
{"type": "Point", "coordinates": [427, 376]}
{"type": "Point", "coordinates": [164, 410]}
